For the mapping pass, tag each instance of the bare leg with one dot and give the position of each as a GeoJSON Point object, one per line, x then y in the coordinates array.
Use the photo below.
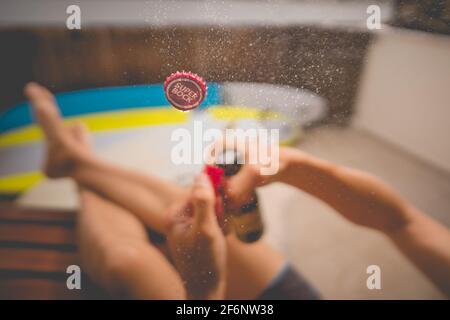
{"type": "Point", "coordinates": [114, 248]}
{"type": "Point", "coordinates": [115, 252]}
{"type": "Point", "coordinates": [147, 197]}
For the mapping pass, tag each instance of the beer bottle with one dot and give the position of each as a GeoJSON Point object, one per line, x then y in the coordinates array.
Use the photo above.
{"type": "Point", "coordinates": [246, 220]}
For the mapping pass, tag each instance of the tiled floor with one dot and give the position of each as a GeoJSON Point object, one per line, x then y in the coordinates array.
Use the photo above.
{"type": "Point", "coordinates": [331, 252]}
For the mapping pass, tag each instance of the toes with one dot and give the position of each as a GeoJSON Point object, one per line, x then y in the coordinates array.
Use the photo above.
{"type": "Point", "coordinates": [40, 97]}
{"type": "Point", "coordinates": [34, 89]}
{"type": "Point", "coordinates": [44, 107]}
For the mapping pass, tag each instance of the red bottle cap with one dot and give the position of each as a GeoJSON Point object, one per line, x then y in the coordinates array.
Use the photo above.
{"type": "Point", "coordinates": [185, 90]}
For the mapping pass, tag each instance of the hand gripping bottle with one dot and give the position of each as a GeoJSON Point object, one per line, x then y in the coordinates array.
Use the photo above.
{"type": "Point", "coordinates": [246, 220]}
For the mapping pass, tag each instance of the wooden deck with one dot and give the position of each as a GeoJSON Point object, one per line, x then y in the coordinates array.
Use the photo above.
{"type": "Point", "coordinates": [36, 247]}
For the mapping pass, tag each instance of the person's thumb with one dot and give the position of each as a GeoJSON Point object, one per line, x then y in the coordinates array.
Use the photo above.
{"type": "Point", "coordinates": [239, 188]}
{"type": "Point", "coordinates": [203, 200]}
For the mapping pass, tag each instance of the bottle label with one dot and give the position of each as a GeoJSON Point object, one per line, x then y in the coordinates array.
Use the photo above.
{"type": "Point", "coordinates": [248, 222]}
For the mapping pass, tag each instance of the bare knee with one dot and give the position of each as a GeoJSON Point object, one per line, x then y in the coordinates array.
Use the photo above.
{"type": "Point", "coordinates": [118, 262]}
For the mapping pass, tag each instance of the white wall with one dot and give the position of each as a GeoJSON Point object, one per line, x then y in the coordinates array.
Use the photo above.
{"type": "Point", "coordinates": [405, 93]}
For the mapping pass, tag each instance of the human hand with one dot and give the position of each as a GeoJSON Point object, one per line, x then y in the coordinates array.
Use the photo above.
{"type": "Point", "coordinates": [239, 188]}
{"type": "Point", "coordinates": [197, 244]}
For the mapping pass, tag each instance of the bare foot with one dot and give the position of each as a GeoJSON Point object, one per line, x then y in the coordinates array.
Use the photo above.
{"type": "Point", "coordinates": [66, 145]}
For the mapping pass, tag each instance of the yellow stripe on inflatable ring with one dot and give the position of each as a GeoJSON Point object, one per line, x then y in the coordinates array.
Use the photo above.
{"type": "Point", "coordinates": [231, 113]}
{"type": "Point", "coordinates": [17, 183]}
{"type": "Point", "coordinates": [101, 122]}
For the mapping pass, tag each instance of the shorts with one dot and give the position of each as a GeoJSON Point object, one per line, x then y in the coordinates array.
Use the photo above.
{"type": "Point", "coordinates": [288, 284]}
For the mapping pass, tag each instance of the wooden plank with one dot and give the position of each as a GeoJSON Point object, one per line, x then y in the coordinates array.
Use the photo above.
{"type": "Point", "coordinates": [37, 289]}
{"type": "Point", "coordinates": [36, 246]}
{"type": "Point", "coordinates": [43, 289]}
{"type": "Point", "coordinates": [36, 260]}
{"type": "Point", "coordinates": [11, 212]}
{"type": "Point", "coordinates": [37, 233]}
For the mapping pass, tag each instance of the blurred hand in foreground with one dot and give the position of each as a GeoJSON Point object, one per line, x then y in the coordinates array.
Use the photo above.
{"type": "Point", "coordinates": [197, 244]}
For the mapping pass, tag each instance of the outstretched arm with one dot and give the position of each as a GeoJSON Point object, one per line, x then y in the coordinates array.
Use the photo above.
{"type": "Point", "coordinates": [364, 200]}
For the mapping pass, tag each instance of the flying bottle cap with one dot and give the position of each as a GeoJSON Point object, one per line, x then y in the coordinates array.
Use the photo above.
{"type": "Point", "coordinates": [185, 90]}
